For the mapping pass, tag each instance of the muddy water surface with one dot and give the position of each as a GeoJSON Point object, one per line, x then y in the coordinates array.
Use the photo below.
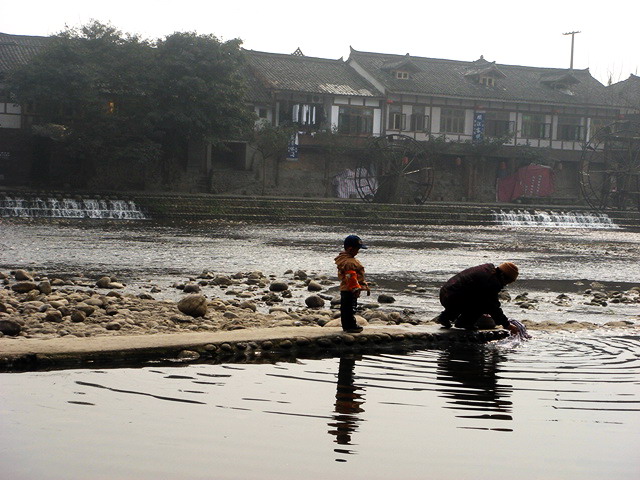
{"type": "Point", "coordinates": [561, 406]}
{"type": "Point", "coordinates": [142, 254]}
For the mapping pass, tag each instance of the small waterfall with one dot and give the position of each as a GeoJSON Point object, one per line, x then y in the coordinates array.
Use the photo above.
{"type": "Point", "coordinates": [38, 207]}
{"type": "Point", "coordinates": [536, 218]}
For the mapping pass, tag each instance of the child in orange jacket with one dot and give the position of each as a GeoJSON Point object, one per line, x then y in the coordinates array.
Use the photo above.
{"type": "Point", "coordinates": [351, 275]}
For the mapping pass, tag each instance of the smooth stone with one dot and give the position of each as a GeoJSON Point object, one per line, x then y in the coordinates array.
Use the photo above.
{"type": "Point", "coordinates": [314, 301]}
{"type": "Point", "coordinates": [278, 286]}
{"type": "Point", "coordinates": [10, 327]}
{"type": "Point", "coordinates": [23, 287]}
{"type": "Point", "coordinates": [22, 275]}
{"type": "Point", "coordinates": [193, 305]}
{"type": "Point", "coordinates": [384, 298]}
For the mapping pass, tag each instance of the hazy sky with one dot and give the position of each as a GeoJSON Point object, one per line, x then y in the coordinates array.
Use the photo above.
{"type": "Point", "coordinates": [511, 32]}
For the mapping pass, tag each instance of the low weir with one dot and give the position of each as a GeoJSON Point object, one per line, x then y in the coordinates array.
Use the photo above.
{"type": "Point", "coordinates": [537, 218]}
{"type": "Point", "coordinates": [49, 207]}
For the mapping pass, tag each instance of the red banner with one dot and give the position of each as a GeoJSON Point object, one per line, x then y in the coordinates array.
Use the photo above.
{"type": "Point", "coordinates": [530, 181]}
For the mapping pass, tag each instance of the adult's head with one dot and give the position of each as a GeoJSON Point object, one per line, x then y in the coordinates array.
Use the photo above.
{"type": "Point", "coordinates": [354, 241]}
{"type": "Point", "coordinates": [509, 272]}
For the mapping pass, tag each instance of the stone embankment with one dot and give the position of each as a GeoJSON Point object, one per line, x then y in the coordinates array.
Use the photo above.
{"type": "Point", "coordinates": [55, 322]}
{"type": "Point", "coordinates": [332, 211]}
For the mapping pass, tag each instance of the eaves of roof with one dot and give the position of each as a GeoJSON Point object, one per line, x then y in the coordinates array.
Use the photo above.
{"type": "Point", "coordinates": [446, 78]}
{"type": "Point", "coordinates": [17, 50]}
{"type": "Point", "coordinates": [292, 73]}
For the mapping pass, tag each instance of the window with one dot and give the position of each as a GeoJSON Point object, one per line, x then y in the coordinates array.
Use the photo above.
{"type": "Point", "coordinates": [570, 128]}
{"type": "Point", "coordinates": [402, 75]}
{"type": "Point", "coordinates": [304, 114]}
{"type": "Point", "coordinates": [355, 120]}
{"type": "Point", "coordinates": [419, 121]}
{"type": "Point", "coordinates": [533, 126]}
{"type": "Point", "coordinates": [262, 112]}
{"type": "Point", "coordinates": [488, 81]}
{"type": "Point", "coordinates": [497, 124]}
{"type": "Point", "coordinates": [397, 121]}
{"type": "Point", "coordinates": [452, 120]}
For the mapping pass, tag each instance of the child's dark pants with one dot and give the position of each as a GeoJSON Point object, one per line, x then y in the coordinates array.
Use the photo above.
{"type": "Point", "coordinates": [348, 303]}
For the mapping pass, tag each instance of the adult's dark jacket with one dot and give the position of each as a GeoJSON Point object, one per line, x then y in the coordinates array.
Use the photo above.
{"type": "Point", "coordinates": [475, 290]}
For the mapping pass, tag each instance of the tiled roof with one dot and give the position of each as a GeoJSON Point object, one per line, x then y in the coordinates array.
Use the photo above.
{"type": "Point", "coordinates": [308, 74]}
{"type": "Point", "coordinates": [447, 78]}
{"type": "Point", "coordinates": [16, 50]}
{"type": "Point", "coordinates": [627, 92]}
{"type": "Point", "coordinates": [256, 91]}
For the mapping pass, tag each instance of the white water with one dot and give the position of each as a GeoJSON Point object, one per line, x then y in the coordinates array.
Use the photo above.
{"type": "Point", "coordinates": [37, 207]}
{"type": "Point", "coordinates": [537, 218]}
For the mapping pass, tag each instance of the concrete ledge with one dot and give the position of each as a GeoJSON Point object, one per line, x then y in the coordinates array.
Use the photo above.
{"type": "Point", "coordinates": [23, 354]}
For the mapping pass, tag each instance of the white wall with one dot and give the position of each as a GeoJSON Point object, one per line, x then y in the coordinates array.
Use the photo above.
{"type": "Point", "coordinates": [435, 120]}
{"type": "Point", "coordinates": [377, 122]}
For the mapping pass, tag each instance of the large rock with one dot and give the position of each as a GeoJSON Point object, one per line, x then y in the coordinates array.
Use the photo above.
{"type": "Point", "coordinates": [247, 305]}
{"type": "Point", "coordinates": [103, 282]}
{"type": "Point", "coordinates": [22, 275]}
{"type": "Point", "coordinates": [53, 315]}
{"type": "Point", "coordinates": [301, 274]}
{"type": "Point", "coordinates": [192, 288]}
{"type": "Point", "coordinates": [360, 321]}
{"type": "Point", "coordinates": [314, 301]}
{"type": "Point", "coordinates": [384, 298]}
{"type": "Point", "coordinates": [193, 305]}
{"type": "Point", "coordinates": [45, 287]}
{"type": "Point", "coordinates": [87, 309]}
{"type": "Point", "coordinates": [278, 286]}
{"type": "Point", "coordinates": [23, 287]}
{"type": "Point", "coordinates": [10, 327]}
{"type": "Point", "coordinates": [78, 316]}
{"type": "Point", "coordinates": [314, 286]}
{"type": "Point", "coordinates": [221, 280]}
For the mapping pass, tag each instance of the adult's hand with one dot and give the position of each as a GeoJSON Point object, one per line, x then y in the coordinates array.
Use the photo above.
{"type": "Point", "coordinates": [513, 329]}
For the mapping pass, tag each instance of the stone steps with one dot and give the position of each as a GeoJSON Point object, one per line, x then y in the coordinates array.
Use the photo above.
{"type": "Point", "coordinates": [322, 211]}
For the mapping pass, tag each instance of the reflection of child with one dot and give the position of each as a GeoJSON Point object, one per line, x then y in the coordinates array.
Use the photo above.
{"type": "Point", "coordinates": [351, 275]}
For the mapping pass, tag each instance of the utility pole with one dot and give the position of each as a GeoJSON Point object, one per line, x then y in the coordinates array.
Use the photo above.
{"type": "Point", "coordinates": [573, 34]}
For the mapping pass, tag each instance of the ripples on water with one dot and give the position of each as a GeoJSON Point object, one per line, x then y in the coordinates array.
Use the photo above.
{"type": "Point", "coordinates": [559, 406]}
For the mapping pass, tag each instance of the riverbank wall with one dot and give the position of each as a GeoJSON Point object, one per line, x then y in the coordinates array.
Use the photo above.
{"type": "Point", "coordinates": [209, 207]}
{"type": "Point", "coordinates": [353, 212]}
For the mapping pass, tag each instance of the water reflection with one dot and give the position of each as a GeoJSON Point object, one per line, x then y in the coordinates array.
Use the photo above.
{"type": "Point", "coordinates": [468, 379]}
{"type": "Point", "coordinates": [348, 406]}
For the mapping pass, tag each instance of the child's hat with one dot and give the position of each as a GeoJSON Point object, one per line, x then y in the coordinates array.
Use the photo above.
{"type": "Point", "coordinates": [354, 241]}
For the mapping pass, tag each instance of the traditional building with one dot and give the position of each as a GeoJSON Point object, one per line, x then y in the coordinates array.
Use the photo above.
{"type": "Point", "coordinates": [15, 146]}
{"type": "Point", "coordinates": [626, 94]}
{"type": "Point", "coordinates": [480, 121]}
{"type": "Point", "coordinates": [538, 113]}
{"type": "Point", "coordinates": [316, 95]}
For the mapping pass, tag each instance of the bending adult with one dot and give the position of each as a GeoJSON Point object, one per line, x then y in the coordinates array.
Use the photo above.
{"type": "Point", "coordinates": [474, 292]}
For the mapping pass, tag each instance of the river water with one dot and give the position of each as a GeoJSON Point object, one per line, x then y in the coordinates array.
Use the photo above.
{"type": "Point", "coordinates": [560, 406]}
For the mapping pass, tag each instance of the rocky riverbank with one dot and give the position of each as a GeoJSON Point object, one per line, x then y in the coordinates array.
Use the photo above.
{"type": "Point", "coordinates": [34, 305]}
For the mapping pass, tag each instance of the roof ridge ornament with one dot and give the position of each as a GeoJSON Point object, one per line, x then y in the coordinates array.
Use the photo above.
{"type": "Point", "coordinates": [298, 53]}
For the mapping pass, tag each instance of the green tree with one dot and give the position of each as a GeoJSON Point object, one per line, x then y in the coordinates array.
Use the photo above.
{"type": "Point", "coordinates": [271, 142]}
{"type": "Point", "coordinates": [129, 106]}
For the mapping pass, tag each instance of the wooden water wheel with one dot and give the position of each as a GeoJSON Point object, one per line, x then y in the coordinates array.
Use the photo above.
{"type": "Point", "coordinates": [394, 169]}
{"type": "Point", "coordinates": [610, 167]}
